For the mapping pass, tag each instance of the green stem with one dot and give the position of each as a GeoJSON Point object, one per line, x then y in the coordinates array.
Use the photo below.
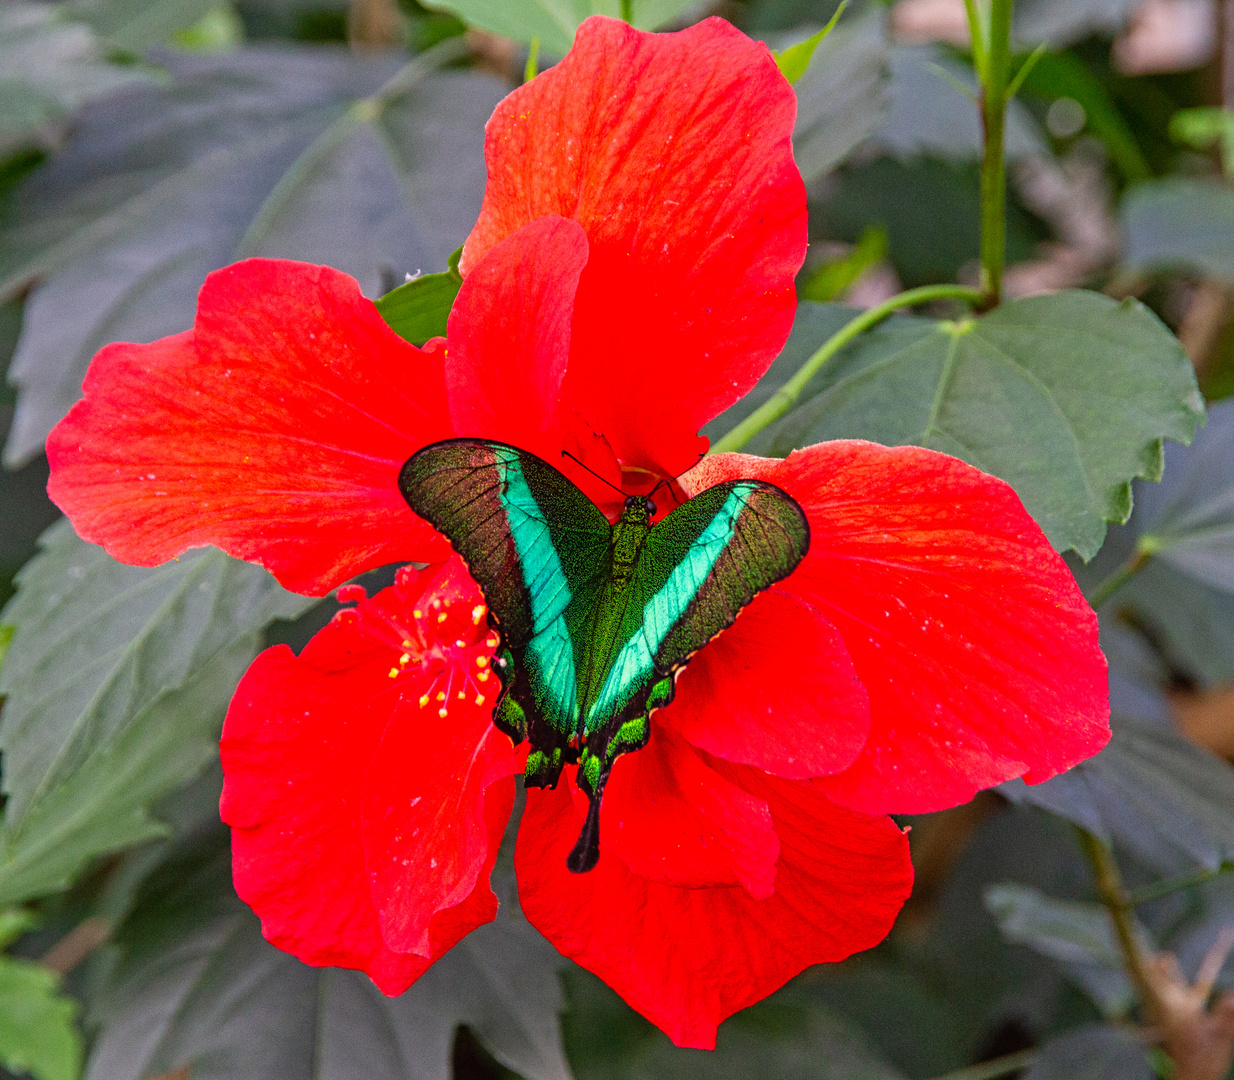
{"type": "Point", "coordinates": [1112, 894]}
{"type": "Point", "coordinates": [784, 398]}
{"type": "Point", "coordinates": [995, 78]}
{"type": "Point", "coordinates": [1119, 578]}
{"type": "Point", "coordinates": [988, 1070]}
{"type": "Point", "coordinates": [627, 11]}
{"type": "Point", "coordinates": [1160, 889]}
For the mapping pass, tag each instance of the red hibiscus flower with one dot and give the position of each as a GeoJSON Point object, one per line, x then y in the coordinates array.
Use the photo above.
{"type": "Point", "coordinates": [630, 276]}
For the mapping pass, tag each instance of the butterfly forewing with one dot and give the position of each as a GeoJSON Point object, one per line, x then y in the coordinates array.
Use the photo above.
{"type": "Point", "coordinates": [535, 544]}
{"type": "Point", "coordinates": [697, 569]}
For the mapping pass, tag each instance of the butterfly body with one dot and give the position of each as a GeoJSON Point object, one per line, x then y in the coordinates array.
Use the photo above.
{"type": "Point", "coordinates": [596, 620]}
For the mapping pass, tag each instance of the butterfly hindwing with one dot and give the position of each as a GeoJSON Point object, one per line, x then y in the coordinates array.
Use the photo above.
{"type": "Point", "coordinates": [697, 569]}
{"type": "Point", "coordinates": [535, 544]}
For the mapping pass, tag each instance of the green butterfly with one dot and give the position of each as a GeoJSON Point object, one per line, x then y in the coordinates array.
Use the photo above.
{"type": "Point", "coordinates": [596, 620]}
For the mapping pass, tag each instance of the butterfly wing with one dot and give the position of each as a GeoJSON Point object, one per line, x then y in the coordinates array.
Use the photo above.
{"type": "Point", "coordinates": [697, 569]}
{"type": "Point", "coordinates": [535, 544]}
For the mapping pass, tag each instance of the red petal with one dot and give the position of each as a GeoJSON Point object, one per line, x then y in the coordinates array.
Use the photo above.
{"type": "Point", "coordinates": [688, 958]}
{"type": "Point", "coordinates": [673, 152]}
{"type": "Point", "coordinates": [776, 690]}
{"type": "Point", "coordinates": [977, 648]}
{"type": "Point", "coordinates": [433, 819]}
{"type": "Point", "coordinates": [673, 819]}
{"type": "Point", "coordinates": [509, 335]}
{"type": "Point", "coordinates": [300, 736]}
{"type": "Point", "coordinates": [275, 430]}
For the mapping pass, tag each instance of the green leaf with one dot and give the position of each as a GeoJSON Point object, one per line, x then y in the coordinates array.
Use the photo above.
{"type": "Point", "coordinates": [37, 1035]}
{"type": "Point", "coordinates": [834, 278]}
{"type": "Point", "coordinates": [197, 986]}
{"type": "Point", "coordinates": [1066, 397]}
{"type": "Point", "coordinates": [371, 166]}
{"type": "Point", "coordinates": [132, 26]}
{"type": "Point", "coordinates": [1078, 935]}
{"type": "Point", "coordinates": [842, 95]}
{"type": "Point", "coordinates": [116, 681]}
{"type": "Point", "coordinates": [793, 60]}
{"type": "Point", "coordinates": [929, 116]}
{"type": "Point", "coordinates": [1093, 1053]}
{"type": "Point", "coordinates": [1183, 595]}
{"type": "Point", "coordinates": [418, 309]}
{"type": "Point", "coordinates": [554, 21]}
{"type": "Point", "coordinates": [787, 1037]}
{"type": "Point", "coordinates": [48, 66]}
{"type": "Point", "coordinates": [1150, 790]}
{"type": "Point", "coordinates": [1180, 223]}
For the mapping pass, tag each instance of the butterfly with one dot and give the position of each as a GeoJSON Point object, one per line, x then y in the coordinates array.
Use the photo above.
{"type": "Point", "coordinates": [596, 621]}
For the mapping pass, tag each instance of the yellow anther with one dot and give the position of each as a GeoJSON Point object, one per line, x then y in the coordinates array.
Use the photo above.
{"type": "Point", "coordinates": [423, 700]}
{"type": "Point", "coordinates": [405, 658]}
{"type": "Point", "coordinates": [483, 676]}
{"type": "Point", "coordinates": [477, 613]}
{"type": "Point", "coordinates": [443, 713]}
{"type": "Point", "coordinates": [481, 661]}
{"type": "Point", "coordinates": [462, 694]}
{"type": "Point", "coordinates": [394, 673]}
{"type": "Point", "coordinates": [418, 613]}
{"type": "Point", "coordinates": [441, 695]}
{"type": "Point", "coordinates": [406, 643]}
{"type": "Point", "coordinates": [441, 617]}
{"type": "Point", "coordinates": [479, 699]}
{"type": "Point", "coordinates": [459, 643]}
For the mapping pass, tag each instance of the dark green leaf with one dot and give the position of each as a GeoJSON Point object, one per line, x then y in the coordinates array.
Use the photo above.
{"type": "Point", "coordinates": [1180, 223]}
{"type": "Point", "coordinates": [198, 986]}
{"type": "Point", "coordinates": [929, 115]}
{"type": "Point", "coordinates": [49, 65]}
{"type": "Point", "coordinates": [418, 309]}
{"type": "Point", "coordinates": [1079, 935]}
{"type": "Point", "coordinates": [554, 21]}
{"type": "Point", "coordinates": [309, 153]}
{"type": "Point", "coordinates": [842, 96]}
{"type": "Point", "coordinates": [1066, 397]}
{"type": "Point", "coordinates": [1182, 597]}
{"type": "Point", "coordinates": [788, 1037]}
{"type": "Point", "coordinates": [37, 1035]}
{"type": "Point", "coordinates": [116, 681]}
{"type": "Point", "coordinates": [133, 25]}
{"type": "Point", "coordinates": [1093, 1053]}
{"type": "Point", "coordinates": [1165, 799]}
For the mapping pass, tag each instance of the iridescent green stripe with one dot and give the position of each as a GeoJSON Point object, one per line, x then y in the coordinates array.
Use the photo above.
{"type": "Point", "coordinates": [636, 660]}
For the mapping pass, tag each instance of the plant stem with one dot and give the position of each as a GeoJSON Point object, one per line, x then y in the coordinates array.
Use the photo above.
{"type": "Point", "coordinates": [1112, 894]}
{"type": "Point", "coordinates": [994, 79]}
{"type": "Point", "coordinates": [988, 1070]}
{"type": "Point", "coordinates": [1119, 578]}
{"type": "Point", "coordinates": [1169, 886]}
{"type": "Point", "coordinates": [627, 11]}
{"type": "Point", "coordinates": [787, 395]}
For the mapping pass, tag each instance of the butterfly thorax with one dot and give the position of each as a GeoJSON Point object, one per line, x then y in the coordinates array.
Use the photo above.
{"type": "Point", "coordinates": [628, 536]}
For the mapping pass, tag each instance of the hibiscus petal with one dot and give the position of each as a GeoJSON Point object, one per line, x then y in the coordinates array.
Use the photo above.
{"type": "Point", "coordinates": [976, 647]}
{"type": "Point", "coordinates": [688, 958]}
{"type": "Point", "coordinates": [673, 152]}
{"type": "Point", "coordinates": [300, 736]}
{"type": "Point", "coordinates": [274, 430]}
{"type": "Point", "coordinates": [432, 817]}
{"type": "Point", "coordinates": [509, 335]}
{"type": "Point", "coordinates": [673, 819]}
{"type": "Point", "coordinates": [776, 690]}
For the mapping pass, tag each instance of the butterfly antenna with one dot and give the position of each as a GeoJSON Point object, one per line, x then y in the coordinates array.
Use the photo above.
{"type": "Point", "coordinates": [566, 453]}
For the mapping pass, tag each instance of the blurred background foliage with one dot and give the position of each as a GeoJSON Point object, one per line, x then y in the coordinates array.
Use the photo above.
{"type": "Point", "coordinates": [145, 142]}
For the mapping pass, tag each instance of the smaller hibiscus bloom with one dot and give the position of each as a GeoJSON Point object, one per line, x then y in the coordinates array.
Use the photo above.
{"type": "Point", "coordinates": [629, 278]}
